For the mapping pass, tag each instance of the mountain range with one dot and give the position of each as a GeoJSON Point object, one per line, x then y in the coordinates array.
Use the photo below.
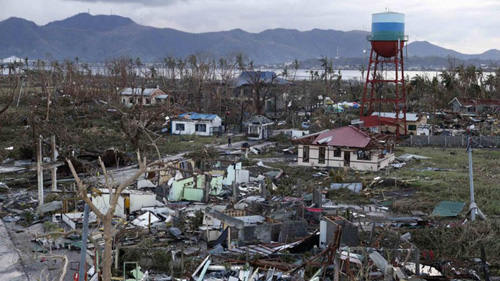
{"type": "Point", "coordinates": [102, 37]}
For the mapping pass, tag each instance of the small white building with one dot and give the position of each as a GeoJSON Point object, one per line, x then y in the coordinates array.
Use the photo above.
{"type": "Point", "coordinates": [192, 123]}
{"type": "Point", "coordinates": [150, 96]}
{"type": "Point", "coordinates": [259, 127]}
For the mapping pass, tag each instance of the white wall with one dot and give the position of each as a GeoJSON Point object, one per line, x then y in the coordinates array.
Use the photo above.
{"type": "Point", "coordinates": [190, 126]}
{"type": "Point", "coordinates": [137, 202]}
{"type": "Point", "coordinates": [242, 176]}
{"type": "Point", "coordinates": [331, 161]}
{"type": "Point", "coordinates": [102, 203]}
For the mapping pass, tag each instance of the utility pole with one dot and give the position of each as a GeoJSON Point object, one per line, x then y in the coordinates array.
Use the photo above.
{"type": "Point", "coordinates": [53, 157]}
{"type": "Point", "coordinates": [39, 170]}
{"type": "Point", "coordinates": [83, 251]}
{"type": "Point", "coordinates": [473, 208]}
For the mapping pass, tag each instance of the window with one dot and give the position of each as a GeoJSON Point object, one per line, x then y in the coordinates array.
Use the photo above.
{"type": "Point", "coordinates": [322, 152]}
{"type": "Point", "coordinates": [337, 153]}
{"type": "Point", "coordinates": [131, 100]}
{"type": "Point", "coordinates": [200, 127]}
{"type": "Point", "coordinates": [305, 154]}
{"type": "Point", "coordinates": [148, 101]}
{"type": "Point", "coordinates": [412, 127]}
{"type": "Point", "coordinates": [253, 129]}
{"type": "Point", "coordinates": [179, 127]}
{"type": "Point", "coordinates": [364, 155]}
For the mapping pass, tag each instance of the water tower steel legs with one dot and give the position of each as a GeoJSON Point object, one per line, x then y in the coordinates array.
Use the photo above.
{"type": "Point", "coordinates": [377, 78]}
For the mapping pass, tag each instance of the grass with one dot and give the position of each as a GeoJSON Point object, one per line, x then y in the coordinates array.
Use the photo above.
{"type": "Point", "coordinates": [453, 185]}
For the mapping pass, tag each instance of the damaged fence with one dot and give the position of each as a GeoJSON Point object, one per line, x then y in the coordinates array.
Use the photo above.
{"type": "Point", "coordinates": [451, 141]}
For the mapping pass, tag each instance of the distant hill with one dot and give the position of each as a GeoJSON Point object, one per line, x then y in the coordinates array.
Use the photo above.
{"type": "Point", "coordinates": [102, 37]}
{"type": "Point", "coordinates": [426, 49]}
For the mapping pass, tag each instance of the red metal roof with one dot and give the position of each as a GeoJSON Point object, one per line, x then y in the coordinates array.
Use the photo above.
{"type": "Point", "coordinates": [344, 136]}
{"type": "Point", "coordinates": [376, 121]}
{"type": "Point", "coordinates": [468, 101]}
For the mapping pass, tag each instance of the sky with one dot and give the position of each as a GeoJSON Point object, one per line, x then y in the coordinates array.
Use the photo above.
{"type": "Point", "coordinates": [465, 26]}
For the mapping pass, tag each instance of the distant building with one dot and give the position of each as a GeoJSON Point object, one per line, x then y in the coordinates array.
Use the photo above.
{"type": "Point", "coordinates": [192, 123]}
{"type": "Point", "coordinates": [277, 98]}
{"type": "Point", "coordinates": [150, 96]}
{"type": "Point", "coordinates": [384, 122]}
{"type": "Point", "coordinates": [474, 106]}
{"type": "Point", "coordinates": [345, 147]}
{"type": "Point", "coordinates": [259, 127]}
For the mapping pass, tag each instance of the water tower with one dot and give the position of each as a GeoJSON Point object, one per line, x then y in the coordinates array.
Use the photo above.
{"type": "Point", "coordinates": [387, 42]}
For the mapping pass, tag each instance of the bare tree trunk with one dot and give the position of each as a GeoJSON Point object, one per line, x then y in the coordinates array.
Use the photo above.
{"type": "Point", "coordinates": [107, 259]}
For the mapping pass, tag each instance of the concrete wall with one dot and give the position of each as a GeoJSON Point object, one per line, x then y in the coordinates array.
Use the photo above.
{"type": "Point", "coordinates": [139, 201]}
{"type": "Point", "coordinates": [102, 203]}
{"type": "Point", "coordinates": [190, 127]}
{"type": "Point", "coordinates": [293, 230]}
{"type": "Point", "coordinates": [264, 233]}
{"type": "Point", "coordinates": [330, 159]}
{"type": "Point", "coordinates": [335, 162]}
{"type": "Point", "coordinates": [241, 176]}
{"type": "Point", "coordinates": [135, 100]}
{"type": "Point", "coordinates": [185, 189]}
{"type": "Point", "coordinates": [328, 227]}
{"type": "Point", "coordinates": [374, 164]}
{"type": "Point", "coordinates": [259, 132]}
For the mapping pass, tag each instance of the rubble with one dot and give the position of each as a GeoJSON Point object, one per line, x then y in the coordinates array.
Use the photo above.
{"type": "Point", "coordinates": [229, 219]}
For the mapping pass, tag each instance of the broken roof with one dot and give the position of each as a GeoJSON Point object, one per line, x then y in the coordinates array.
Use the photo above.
{"type": "Point", "coordinates": [197, 116]}
{"type": "Point", "coordinates": [409, 116]}
{"type": "Point", "coordinates": [470, 102]}
{"type": "Point", "coordinates": [137, 91]}
{"type": "Point", "coordinates": [258, 120]}
{"type": "Point", "coordinates": [345, 136]}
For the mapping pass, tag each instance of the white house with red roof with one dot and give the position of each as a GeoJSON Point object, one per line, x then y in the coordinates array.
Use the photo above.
{"type": "Point", "coordinates": [346, 147]}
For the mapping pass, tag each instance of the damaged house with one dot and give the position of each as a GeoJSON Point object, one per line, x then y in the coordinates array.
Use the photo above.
{"type": "Point", "coordinates": [384, 122]}
{"type": "Point", "coordinates": [148, 96]}
{"type": "Point", "coordinates": [345, 147]}
{"type": "Point", "coordinates": [473, 106]}
{"type": "Point", "coordinates": [259, 127]}
{"type": "Point", "coordinates": [192, 123]}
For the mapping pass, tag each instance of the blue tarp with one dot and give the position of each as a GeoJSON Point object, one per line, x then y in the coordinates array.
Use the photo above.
{"type": "Point", "coordinates": [197, 116]}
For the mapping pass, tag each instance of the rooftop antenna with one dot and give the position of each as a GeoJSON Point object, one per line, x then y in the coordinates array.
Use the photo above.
{"type": "Point", "coordinates": [473, 208]}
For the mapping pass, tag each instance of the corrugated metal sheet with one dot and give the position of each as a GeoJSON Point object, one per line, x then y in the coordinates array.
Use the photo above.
{"type": "Point", "coordinates": [448, 209]}
{"type": "Point", "coordinates": [344, 137]}
{"type": "Point", "coordinates": [253, 249]}
{"type": "Point", "coordinates": [412, 117]}
{"type": "Point", "coordinates": [197, 116]}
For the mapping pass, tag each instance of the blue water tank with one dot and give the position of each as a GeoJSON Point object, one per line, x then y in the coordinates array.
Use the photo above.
{"type": "Point", "coordinates": [388, 26]}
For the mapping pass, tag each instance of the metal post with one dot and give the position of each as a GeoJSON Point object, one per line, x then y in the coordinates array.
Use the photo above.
{"type": "Point", "coordinates": [53, 157]}
{"type": "Point", "coordinates": [39, 170]}
{"type": "Point", "coordinates": [83, 251]}
{"type": "Point", "coordinates": [417, 261]}
{"type": "Point", "coordinates": [473, 206]}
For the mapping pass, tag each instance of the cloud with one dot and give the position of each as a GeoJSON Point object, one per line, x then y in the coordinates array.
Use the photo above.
{"type": "Point", "coordinates": [141, 2]}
